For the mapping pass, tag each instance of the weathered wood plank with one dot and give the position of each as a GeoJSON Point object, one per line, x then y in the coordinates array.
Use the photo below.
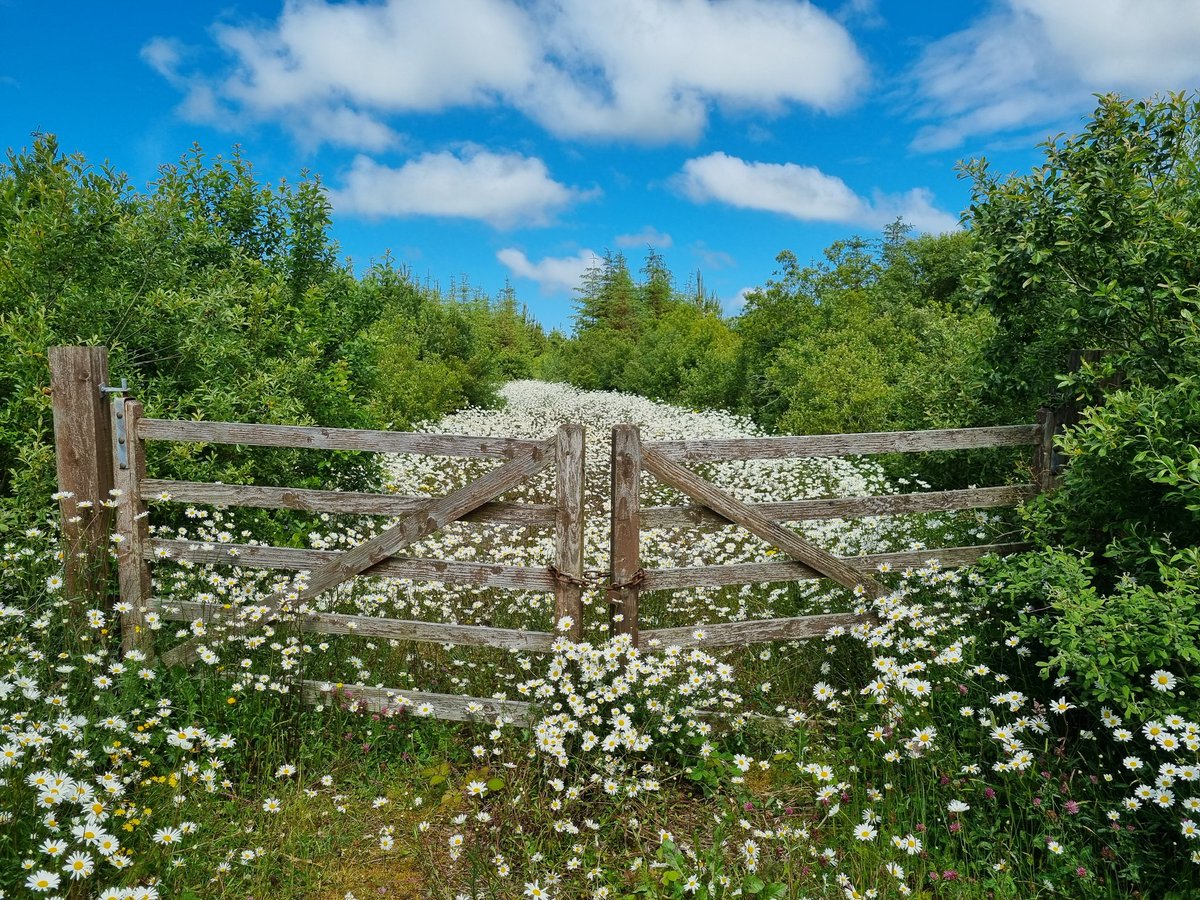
{"type": "Point", "coordinates": [568, 530]}
{"type": "Point", "coordinates": [133, 574]}
{"type": "Point", "coordinates": [378, 627]}
{"type": "Point", "coordinates": [624, 556]}
{"type": "Point", "coordinates": [728, 634]}
{"type": "Point", "coordinates": [84, 461]}
{"type": "Point", "coordinates": [442, 706]}
{"type": "Point", "coordinates": [253, 556]}
{"type": "Point", "coordinates": [263, 497]}
{"type": "Point", "coordinates": [428, 519]}
{"type": "Point", "coordinates": [318, 438]}
{"type": "Point", "coordinates": [676, 476]}
{"type": "Point", "coordinates": [783, 447]}
{"type": "Point", "coordinates": [1044, 475]}
{"type": "Point", "coordinates": [849, 507]}
{"type": "Point", "coordinates": [751, 573]}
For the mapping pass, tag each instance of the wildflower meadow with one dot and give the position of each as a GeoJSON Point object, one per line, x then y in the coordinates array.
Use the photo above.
{"type": "Point", "coordinates": [926, 752]}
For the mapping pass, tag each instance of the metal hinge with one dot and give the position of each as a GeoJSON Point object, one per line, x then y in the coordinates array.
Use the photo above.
{"type": "Point", "coordinates": [121, 436]}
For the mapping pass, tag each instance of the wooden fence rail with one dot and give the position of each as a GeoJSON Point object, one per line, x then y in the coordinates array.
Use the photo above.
{"type": "Point", "coordinates": [351, 502]}
{"type": "Point", "coordinates": [313, 438]}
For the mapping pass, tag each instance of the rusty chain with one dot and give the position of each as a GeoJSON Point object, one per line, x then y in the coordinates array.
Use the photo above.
{"type": "Point", "coordinates": [597, 579]}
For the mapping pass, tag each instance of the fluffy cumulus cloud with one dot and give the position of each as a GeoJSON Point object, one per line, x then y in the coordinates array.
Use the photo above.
{"type": "Point", "coordinates": [553, 274]}
{"type": "Point", "coordinates": [1030, 63]}
{"type": "Point", "coordinates": [651, 69]}
{"type": "Point", "coordinates": [648, 70]}
{"type": "Point", "coordinates": [502, 189]}
{"type": "Point", "coordinates": [803, 192]}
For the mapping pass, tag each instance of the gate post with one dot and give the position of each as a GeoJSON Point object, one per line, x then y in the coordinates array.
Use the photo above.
{"type": "Point", "coordinates": [83, 460]}
{"type": "Point", "coordinates": [568, 527]}
{"type": "Point", "coordinates": [133, 572]}
{"type": "Point", "coordinates": [626, 527]}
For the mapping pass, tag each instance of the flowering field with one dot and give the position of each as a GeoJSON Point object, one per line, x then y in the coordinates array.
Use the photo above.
{"type": "Point", "coordinates": [923, 756]}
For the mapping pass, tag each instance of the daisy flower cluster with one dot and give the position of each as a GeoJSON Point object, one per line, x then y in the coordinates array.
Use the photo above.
{"type": "Point", "coordinates": [99, 767]}
{"type": "Point", "coordinates": [943, 703]}
{"type": "Point", "coordinates": [606, 710]}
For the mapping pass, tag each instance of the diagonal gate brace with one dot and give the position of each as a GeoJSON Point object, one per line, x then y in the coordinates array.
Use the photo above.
{"type": "Point", "coordinates": [703, 492]}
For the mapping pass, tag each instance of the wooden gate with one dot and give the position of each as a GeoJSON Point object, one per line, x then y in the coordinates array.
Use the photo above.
{"type": "Point", "coordinates": [84, 428]}
{"type": "Point", "coordinates": [418, 517]}
{"type": "Point", "coordinates": [664, 460]}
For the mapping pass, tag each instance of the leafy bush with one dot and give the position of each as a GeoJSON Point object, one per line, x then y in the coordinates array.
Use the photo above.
{"type": "Point", "coordinates": [878, 337]}
{"type": "Point", "coordinates": [1097, 248]}
{"type": "Point", "coordinates": [1112, 644]}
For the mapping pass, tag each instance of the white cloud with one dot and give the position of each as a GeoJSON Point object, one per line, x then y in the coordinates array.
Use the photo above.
{"type": "Point", "coordinates": [394, 56]}
{"type": "Point", "coordinates": [502, 189]}
{"type": "Point", "coordinates": [712, 259]}
{"type": "Point", "coordinates": [735, 304]}
{"type": "Point", "coordinates": [649, 236]}
{"type": "Point", "coordinates": [348, 128]}
{"type": "Point", "coordinates": [649, 70]}
{"type": "Point", "coordinates": [164, 56]}
{"type": "Point", "coordinates": [553, 274]}
{"type": "Point", "coordinates": [803, 192]}
{"type": "Point", "coordinates": [916, 207]}
{"type": "Point", "coordinates": [1034, 63]}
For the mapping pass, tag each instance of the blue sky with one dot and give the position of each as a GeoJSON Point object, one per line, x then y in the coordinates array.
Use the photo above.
{"type": "Point", "coordinates": [517, 139]}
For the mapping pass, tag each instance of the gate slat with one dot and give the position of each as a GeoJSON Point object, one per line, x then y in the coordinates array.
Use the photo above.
{"type": "Point", "coordinates": [569, 463]}
{"type": "Point", "coordinates": [680, 478]}
{"type": "Point", "coordinates": [726, 634]}
{"type": "Point", "coordinates": [851, 507]}
{"type": "Point", "coordinates": [308, 500]}
{"type": "Point", "coordinates": [790, 446]}
{"type": "Point", "coordinates": [454, 707]}
{"type": "Point", "coordinates": [376, 627]}
{"type": "Point", "coordinates": [448, 571]}
{"type": "Point", "coordinates": [725, 574]}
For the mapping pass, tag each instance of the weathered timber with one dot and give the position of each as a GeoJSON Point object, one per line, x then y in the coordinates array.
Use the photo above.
{"type": "Point", "coordinates": [133, 574]}
{"type": "Point", "coordinates": [317, 438]}
{"type": "Point", "coordinates": [783, 447]}
{"type": "Point", "coordinates": [256, 556]}
{"type": "Point", "coordinates": [624, 556]}
{"type": "Point", "coordinates": [262, 497]}
{"type": "Point", "coordinates": [1044, 474]}
{"type": "Point", "coordinates": [378, 627]}
{"type": "Point", "coordinates": [727, 634]}
{"type": "Point", "coordinates": [430, 518]}
{"type": "Point", "coordinates": [684, 577]}
{"type": "Point", "coordinates": [568, 530]}
{"type": "Point", "coordinates": [704, 492]}
{"type": "Point", "coordinates": [849, 507]}
{"type": "Point", "coordinates": [84, 461]}
{"type": "Point", "coordinates": [441, 706]}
